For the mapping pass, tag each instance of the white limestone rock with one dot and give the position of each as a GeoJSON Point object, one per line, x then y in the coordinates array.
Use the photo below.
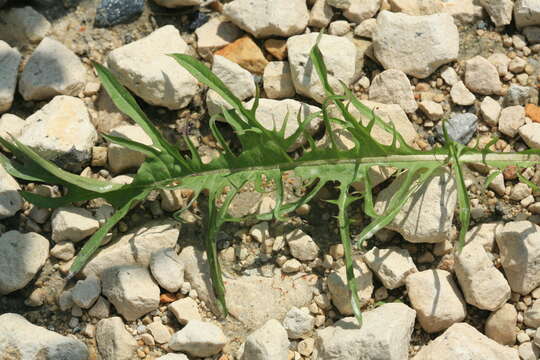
{"type": "Point", "coordinates": [131, 290]}
{"type": "Point", "coordinates": [52, 70]}
{"type": "Point", "coordinates": [11, 125]}
{"type": "Point", "coordinates": [393, 87]}
{"type": "Point", "coordinates": [527, 13]}
{"type": "Point", "coordinates": [500, 11]}
{"type": "Point", "coordinates": [483, 285]}
{"type": "Point", "coordinates": [482, 77]}
{"type": "Point", "coordinates": [62, 132]}
{"type": "Point", "coordinates": [416, 7]}
{"type": "Point", "coordinates": [360, 10]}
{"type": "Point", "coordinates": [392, 265]}
{"type": "Point", "coordinates": [21, 25]}
{"type": "Point", "coordinates": [85, 293]}
{"type": "Point", "coordinates": [427, 215]}
{"type": "Point", "coordinates": [501, 325]}
{"type": "Point", "coordinates": [298, 323]}
{"type": "Point", "coordinates": [72, 224]}
{"type": "Point", "coordinates": [339, 55]}
{"type": "Point", "coordinates": [531, 317]}
{"type": "Point", "coordinates": [9, 68]}
{"type": "Point", "coordinates": [436, 299]}
{"type": "Point", "coordinates": [269, 342]}
{"type": "Point", "coordinates": [385, 334]}
{"type": "Point", "coordinates": [114, 342]}
{"type": "Point", "coordinates": [198, 338]}
{"type": "Point", "coordinates": [272, 113]}
{"type": "Point", "coordinates": [530, 133]}
{"type": "Point", "coordinates": [266, 18]}
{"type": "Point", "coordinates": [490, 110]}
{"type": "Point", "coordinates": [483, 235]}
{"type": "Point", "coordinates": [236, 78]}
{"type": "Point", "coordinates": [20, 339]}
{"type": "Point", "coordinates": [462, 341]}
{"type": "Point", "coordinates": [519, 247]}
{"type": "Point", "coordinates": [366, 28]}
{"type": "Point", "coordinates": [121, 158]}
{"type": "Point", "coordinates": [320, 14]}
{"type": "Point", "coordinates": [277, 80]}
{"type": "Point", "coordinates": [337, 285]}
{"type": "Point", "coordinates": [135, 247]}
{"type": "Point", "coordinates": [511, 119]}
{"type": "Point", "coordinates": [185, 310]}
{"type": "Point", "coordinates": [416, 45]}
{"type": "Point", "coordinates": [434, 111]}
{"type": "Point", "coordinates": [21, 257]}
{"type": "Point", "coordinates": [144, 67]}
{"type": "Point", "coordinates": [167, 269]}
{"type": "Point", "coordinates": [10, 200]}
{"type": "Point", "coordinates": [461, 95]}
{"type": "Point", "coordinates": [214, 35]}
{"type": "Point", "coordinates": [464, 12]}
{"type": "Point", "coordinates": [302, 245]}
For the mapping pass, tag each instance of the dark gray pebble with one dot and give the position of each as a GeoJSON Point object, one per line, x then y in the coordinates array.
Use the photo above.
{"type": "Point", "coordinates": [114, 12]}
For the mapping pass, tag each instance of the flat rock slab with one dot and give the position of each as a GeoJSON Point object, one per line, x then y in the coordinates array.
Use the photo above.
{"type": "Point", "coordinates": [20, 339]}
{"type": "Point", "coordinates": [9, 68]}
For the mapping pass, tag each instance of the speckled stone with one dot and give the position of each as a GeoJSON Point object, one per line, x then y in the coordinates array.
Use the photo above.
{"type": "Point", "coordinates": [114, 12]}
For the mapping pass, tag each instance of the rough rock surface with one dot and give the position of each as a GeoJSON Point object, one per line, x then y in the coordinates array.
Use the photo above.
{"type": "Point", "coordinates": [167, 269]}
{"type": "Point", "coordinates": [337, 285]}
{"type": "Point", "coordinates": [427, 215]}
{"type": "Point", "coordinates": [21, 25]}
{"type": "Point", "coordinates": [519, 247]}
{"type": "Point", "coordinates": [462, 341]}
{"type": "Point", "coordinates": [385, 334]}
{"type": "Point", "coordinates": [114, 341]}
{"type": "Point", "coordinates": [501, 325]}
{"type": "Point", "coordinates": [9, 67]}
{"type": "Point", "coordinates": [500, 11]}
{"type": "Point", "coordinates": [392, 265]}
{"type": "Point", "coordinates": [198, 338]}
{"type": "Point", "coordinates": [530, 133]}
{"type": "Point", "coordinates": [481, 77]}
{"type": "Point", "coordinates": [265, 18]}
{"type": "Point", "coordinates": [20, 339]}
{"type": "Point", "coordinates": [62, 132]}
{"type": "Point", "coordinates": [121, 158]}
{"type": "Point", "coordinates": [72, 224]}
{"type": "Point", "coordinates": [298, 323]}
{"type": "Point", "coordinates": [21, 257]}
{"type": "Point", "coordinates": [436, 299]}
{"type": "Point", "coordinates": [277, 80]}
{"type": "Point", "coordinates": [339, 55]}
{"type": "Point", "coordinates": [52, 70]}
{"type": "Point", "coordinates": [526, 13]}
{"type": "Point", "coordinates": [393, 87]}
{"type": "Point", "coordinates": [10, 199]}
{"type": "Point", "coordinates": [214, 35]}
{"type": "Point", "coordinates": [269, 342]}
{"type": "Point", "coordinates": [416, 45]}
{"type": "Point", "coordinates": [144, 67]}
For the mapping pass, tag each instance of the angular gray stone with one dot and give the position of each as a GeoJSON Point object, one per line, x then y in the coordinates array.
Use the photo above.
{"type": "Point", "coordinates": [114, 342]}
{"type": "Point", "coordinates": [500, 11]}
{"type": "Point", "coordinates": [10, 199]}
{"type": "Point", "coordinates": [131, 290]}
{"type": "Point", "coordinates": [86, 292]}
{"type": "Point", "coordinates": [337, 285]}
{"type": "Point", "coordinates": [198, 338]}
{"type": "Point", "coordinates": [22, 25]}
{"type": "Point", "coordinates": [501, 325]}
{"type": "Point", "coordinates": [298, 323]}
{"type": "Point", "coordinates": [9, 68]}
{"type": "Point", "coordinates": [302, 245]}
{"type": "Point", "coordinates": [20, 339]}
{"type": "Point", "coordinates": [530, 133]}
{"type": "Point", "coordinates": [167, 269]}
{"type": "Point", "coordinates": [519, 247]}
{"type": "Point", "coordinates": [121, 158]}
{"type": "Point", "coordinates": [416, 45]}
{"type": "Point", "coordinates": [185, 310]}
{"type": "Point", "coordinates": [266, 18]}
{"type": "Point", "coordinates": [393, 87]}
{"type": "Point", "coordinates": [21, 257]}
{"type": "Point", "coordinates": [52, 70]}
{"type": "Point", "coordinates": [385, 334]}
{"type": "Point", "coordinates": [460, 127]}
{"type": "Point", "coordinates": [72, 224]}
{"type": "Point", "coordinates": [392, 266]}
{"type": "Point", "coordinates": [462, 341]}
{"type": "Point", "coordinates": [481, 76]}
{"type": "Point", "coordinates": [527, 13]}
{"type": "Point", "coordinates": [269, 342]}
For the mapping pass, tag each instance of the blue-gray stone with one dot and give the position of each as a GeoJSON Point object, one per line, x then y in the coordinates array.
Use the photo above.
{"type": "Point", "coordinates": [114, 12]}
{"type": "Point", "coordinates": [520, 95]}
{"type": "Point", "coordinates": [460, 127]}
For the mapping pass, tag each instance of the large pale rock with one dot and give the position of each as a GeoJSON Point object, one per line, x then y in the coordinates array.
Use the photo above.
{"type": "Point", "coordinates": [214, 35]}
{"type": "Point", "coordinates": [416, 45]}
{"type": "Point", "coordinates": [273, 113]}
{"type": "Point", "coordinates": [114, 342]}
{"type": "Point", "coordinates": [462, 341]}
{"type": "Point", "coordinates": [269, 342]}
{"type": "Point", "coordinates": [464, 12]}
{"type": "Point", "coordinates": [393, 87]}
{"type": "Point", "coordinates": [265, 18]}
{"type": "Point", "coordinates": [9, 68]}
{"type": "Point", "coordinates": [483, 285]}
{"type": "Point", "coordinates": [461, 95]}
{"type": "Point", "coordinates": [62, 132]}
{"type": "Point", "coordinates": [337, 285]}
{"type": "Point", "coordinates": [519, 247]}
{"type": "Point", "coordinates": [385, 334]}
{"type": "Point", "coordinates": [72, 224]}
{"type": "Point", "coordinates": [167, 269]}
{"type": "Point", "coordinates": [21, 25]}
{"type": "Point", "coordinates": [436, 299]}
{"type": "Point", "coordinates": [416, 7]}
{"type": "Point", "coordinates": [52, 70]}
{"type": "Point", "coordinates": [20, 339]}
{"type": "Point", "coordinates": [427, 215]}
{"type": "Point", "coordinates": [527, 13]}
{"type": "Point", "coordinates": [482, 77]}
{"type": "Point", "coordinates": [198, 338]}
{"type": "Point", "coordinates": [121, 158]}
{"type": "Point", "coordinates": [21, 257]}
{"type": "Point", "coordinates": [131, 290]}
{"type": "Point", "coordinates": [501, 325]}
{"type": "Point", "coordinates": [11, 125]}
{"type": "Point", "coordinates": [392, 266]}
{"type": "Point", "coordinates": [144, 67]}
{"type": "Point", "coordinates": [134, 248]}
{"type": "Point", "coordinates": [321, 14]}
{"type": "Point", "coordinates": [244, 294]}
{"type": "Point", "coordinates": [484, 235]}
{"type": "Point", "coordinates": [277, 80]}
{"type": "Point", "coordinates": [530, 133]}
{"type": "Point", "coordinates": [185, 310]}
{"type": "Point", "coordinates": [298, 323]}
{"type": "Point", "coordinates": [360, 10]}
{"type": "Point", "coordinates": [500, 11]}
{"type": "Point", "coordinates": [237, 79]}
{"type": "Point", "coordinates": [339, 55]}
{"type": "Point", "coordinates": [10, 200]}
